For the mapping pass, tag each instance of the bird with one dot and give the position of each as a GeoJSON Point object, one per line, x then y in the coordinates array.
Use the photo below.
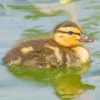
{"type": "Point", "coordinates": [64, 49]}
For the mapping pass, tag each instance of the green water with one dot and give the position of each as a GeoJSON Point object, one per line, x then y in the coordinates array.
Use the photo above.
{"type": "Point", "coordinates": [28, 18]}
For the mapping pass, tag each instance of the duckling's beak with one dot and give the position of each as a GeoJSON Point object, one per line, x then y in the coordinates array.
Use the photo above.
{"type": "Point", "coordinates": [84, 38]}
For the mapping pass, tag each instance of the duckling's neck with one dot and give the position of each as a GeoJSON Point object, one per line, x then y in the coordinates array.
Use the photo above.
{"type": "Point", "coordinates": [82, 53]}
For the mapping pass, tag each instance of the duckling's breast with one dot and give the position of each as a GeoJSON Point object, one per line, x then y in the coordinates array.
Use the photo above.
{"type": "Point", "coordinates": [82, 53]}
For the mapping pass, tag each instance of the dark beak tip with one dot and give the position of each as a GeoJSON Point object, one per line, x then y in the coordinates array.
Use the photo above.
{"type": "Point", "coordinates": [91, 40]}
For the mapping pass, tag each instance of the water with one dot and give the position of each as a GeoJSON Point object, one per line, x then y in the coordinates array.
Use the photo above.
{"type": "Point", "coordinates": [19, 19]}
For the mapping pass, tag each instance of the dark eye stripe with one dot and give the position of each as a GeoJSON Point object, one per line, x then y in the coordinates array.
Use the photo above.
{"type": "Point", "coordinates": [61, 31]}
{"type": "Point", "coordinates": [70, 32]}
{"type": "Point", "coordinates": [77, 34]}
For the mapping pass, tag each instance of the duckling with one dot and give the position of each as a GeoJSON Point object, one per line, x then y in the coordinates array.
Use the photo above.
{"type": "Point", "coordinates": [63, 49]}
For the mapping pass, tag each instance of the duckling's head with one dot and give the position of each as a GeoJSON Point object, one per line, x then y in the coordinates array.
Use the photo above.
{"type": "Point", "coordinates": [69, 34]}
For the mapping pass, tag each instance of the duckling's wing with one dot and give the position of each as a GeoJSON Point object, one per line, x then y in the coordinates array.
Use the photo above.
{"type": "Point", "coordinates": [29, 53]}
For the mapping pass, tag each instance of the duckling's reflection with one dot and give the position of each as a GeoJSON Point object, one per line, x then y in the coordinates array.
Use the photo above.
{"type": "Point", "coordinates": [66, 85]}
{"type": "Point", "coordinates": [69, 86]}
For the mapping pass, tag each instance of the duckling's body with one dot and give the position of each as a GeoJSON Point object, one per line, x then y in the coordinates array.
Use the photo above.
{"type": "Point", "coordinates": [45, 53]}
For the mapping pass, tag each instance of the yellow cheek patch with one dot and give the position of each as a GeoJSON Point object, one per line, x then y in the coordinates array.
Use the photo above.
{"type": "Point", "coordinates": [67, 29]}
{"type": "Point", "coordinates": [26, 50]}
{"type": "Point", "coordinates": [66, 39]}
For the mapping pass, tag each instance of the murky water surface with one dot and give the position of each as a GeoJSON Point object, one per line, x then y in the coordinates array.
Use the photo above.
{"type": "Point", "coordinates": [26, 18]}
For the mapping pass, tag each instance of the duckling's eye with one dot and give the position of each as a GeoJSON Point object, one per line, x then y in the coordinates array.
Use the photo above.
{"type": "Point", "coordinates": [70, 33]}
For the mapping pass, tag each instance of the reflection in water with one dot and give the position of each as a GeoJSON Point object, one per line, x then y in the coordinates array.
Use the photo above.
{"type": "Point", "coordinates": [66, 83]}
{"type": "Point", "coordinates": [69, 86]}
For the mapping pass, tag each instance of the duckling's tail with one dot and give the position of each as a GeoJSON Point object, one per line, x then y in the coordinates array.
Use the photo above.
{"type": "Point", "coordinates": [7, 59]}
{"type": "Point", "coordinates": [12, 58]}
